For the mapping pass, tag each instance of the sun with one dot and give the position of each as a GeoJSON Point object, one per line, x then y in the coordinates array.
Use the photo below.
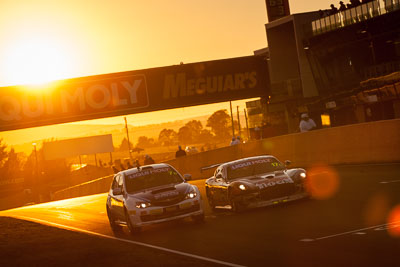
{"type": "Point", "coordinates": [36, 60]}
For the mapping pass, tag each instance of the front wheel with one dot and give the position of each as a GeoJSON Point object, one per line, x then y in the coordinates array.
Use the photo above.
{"type": "Point", "coordinates": [132, 229]}
{"type": "Point", "coordinates": [210, 200]}
{"type": "Point", "coordinates": [115, 227]}
{"type": "Point", "coordinates": [236, 205]}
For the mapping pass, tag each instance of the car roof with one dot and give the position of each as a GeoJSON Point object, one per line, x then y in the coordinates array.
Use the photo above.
{"type": "Point", "coordinates": [226, 164]}
{"type": "Point", "coordinates": [150, 166]}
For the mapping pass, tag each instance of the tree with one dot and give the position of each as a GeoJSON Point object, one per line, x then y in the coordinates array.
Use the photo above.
{"type": "Point", "coordinates": [167, 137]}
{"type": "Point", "coordinates": [195, 127]}
{"type": "Point", "coordinates": [12, 166]}
{"type": "Point", "coordinates": [3, 153]}
{"type": "Point", "coordinates": [190, 133]}
{"type": "Point", "coordinates": [219, 122]}
{"type": "Point", "coordinates": [124, 145]}
{"type": "Point", "coordinates": [206, 136]}
{"type": "Point", "coordinates": [144, 141]}
{"type": "Point", "coordinates": [10, 163]}
{"type": "Point", "coordinates": [184, 135]}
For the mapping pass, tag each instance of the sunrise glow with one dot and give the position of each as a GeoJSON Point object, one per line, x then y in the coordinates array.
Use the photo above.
{"type": "Point", "coordinates": [36, 60]}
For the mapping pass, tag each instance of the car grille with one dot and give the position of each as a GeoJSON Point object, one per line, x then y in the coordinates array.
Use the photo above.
{"type": "Point", "coordinates": [277, 191]}
{"type": "Point", "coordinates": [168, 214]}
{"type": "Point", "coordinates": [169, 201]}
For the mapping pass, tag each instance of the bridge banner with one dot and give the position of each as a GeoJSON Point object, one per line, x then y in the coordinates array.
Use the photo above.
{"type": "Point", "coordinates": [133, 92]}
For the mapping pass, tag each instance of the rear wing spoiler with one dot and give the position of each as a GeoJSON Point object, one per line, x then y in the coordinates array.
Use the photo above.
{"type": "Point", "coordinates": [210, 167]}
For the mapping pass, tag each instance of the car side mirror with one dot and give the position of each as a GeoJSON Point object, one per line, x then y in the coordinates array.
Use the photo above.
{"type": "Point", "coordinates": [287, 162]}
{"type": "Point", "coordinates": [187, 177]}
{"type": "Point", "coordinates": [117, 191]}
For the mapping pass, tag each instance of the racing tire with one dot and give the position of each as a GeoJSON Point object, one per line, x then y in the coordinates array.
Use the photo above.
{"type": "Point", "coordinates": [133, 230]}
{"type": "Point", "coordinates": [236, 206]}
{"type": "Point", "coordinates": [114, 227]}
{"type": "Point", "coordinates": [210, 200]}
{"type": "Point", "coordinates": [198, 218]}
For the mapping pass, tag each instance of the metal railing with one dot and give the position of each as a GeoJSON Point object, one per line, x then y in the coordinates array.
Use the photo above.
{"type": "Point", "coordinates": [354, 15]}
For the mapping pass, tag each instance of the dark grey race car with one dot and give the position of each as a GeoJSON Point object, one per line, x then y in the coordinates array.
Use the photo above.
{"type": "Point", "coordinates": [255, 182]}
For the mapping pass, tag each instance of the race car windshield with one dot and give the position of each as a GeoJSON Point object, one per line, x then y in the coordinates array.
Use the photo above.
{"type": "Point", "coordinates": [150, 178]}
{"type": "Point", "coordinates": [254, 167]}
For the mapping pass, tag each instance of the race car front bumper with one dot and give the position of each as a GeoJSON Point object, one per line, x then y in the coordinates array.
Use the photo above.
{"type": "Point", "coordinates": [253, 200]}
{"type": "Point", "coordinates": [155, 215]}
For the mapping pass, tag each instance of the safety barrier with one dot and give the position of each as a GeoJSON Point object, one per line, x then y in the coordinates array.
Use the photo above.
{"type": "Point", "coordinates": [373, 142]}
{"type": "Point", "coordinates": [100, 185]}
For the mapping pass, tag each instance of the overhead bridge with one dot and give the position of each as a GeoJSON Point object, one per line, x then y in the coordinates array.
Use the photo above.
{"type": "Point", "coordinates": [133, 92]}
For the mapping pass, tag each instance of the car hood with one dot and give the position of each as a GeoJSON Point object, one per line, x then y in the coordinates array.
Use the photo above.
{"type": "Point", "coordinates": [266, 178]}
{"type": "Point", "coordinates": [164, 194]}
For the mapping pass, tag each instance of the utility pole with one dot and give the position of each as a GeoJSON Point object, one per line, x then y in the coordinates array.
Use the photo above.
{"type": "Point", "coordinates": [36, 184]}
{"type": "Point", "coordinates": [233, 127]}
{"type": "Point", "coordinates": [247, 125]}
{"type": "Point", "coordinates": [238, 118]}
{"type": "Point", "coordinates": [36, 163]}
{"type": "Point", "coordinates": [127, 137]}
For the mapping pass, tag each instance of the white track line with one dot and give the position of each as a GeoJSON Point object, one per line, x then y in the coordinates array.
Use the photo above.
{"type": "Point", "coordinates": [127, 241]}
{"type": "Point", "coordinates": [346, 233]}
{"type": "Point", "coordinates": [388, 182]}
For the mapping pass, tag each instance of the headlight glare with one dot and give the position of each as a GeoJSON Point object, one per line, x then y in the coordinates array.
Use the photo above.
{"type": "Point", "coordinates": [303, 175]}
{"type": "Point", "coordinates": [191, 195]}
{"type": "Point", "coordinates": [242, 187]}
{"type": "Point", "coordinates": [142, 205]}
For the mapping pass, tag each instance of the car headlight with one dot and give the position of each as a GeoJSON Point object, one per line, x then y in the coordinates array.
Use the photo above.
{"type": "Point", "coordinates": [142, 205]}
{"type": "Point", "coordinates": [242, 187]}
{"type": "Point", "coordinates": [303, 175]}
{"type": "Point", "coordinates": [191, 195]}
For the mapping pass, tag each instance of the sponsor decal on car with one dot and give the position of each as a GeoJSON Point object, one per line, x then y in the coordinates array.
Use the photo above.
{"type": "Point", "coordinates": [262, 185]}
{"type": "Point", "coordinates": [249, 163]}
{"type": "Point", "coordinates": [166, 195]}
{"type": "Point", "coordinates": [148, 172]}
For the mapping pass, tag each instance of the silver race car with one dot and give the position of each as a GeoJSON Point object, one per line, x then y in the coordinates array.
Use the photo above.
{"type": "Point", "coordinates": [151, 194]}
{"type": "Point", "coordinates": [255, 182]}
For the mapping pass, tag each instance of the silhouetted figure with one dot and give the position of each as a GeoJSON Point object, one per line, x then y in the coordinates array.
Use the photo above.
{"type": "Point", "coordinates": [115, 170]}
{"type": "Point", "coordinates": [137, 164]}
{"type": "Point", "coordinates": [236, 141]}
{"type": "Point", "coordinates": [342, 6]}
{"type": "Point", "coordinates": [333, 10]}
{"type": "Point", "coordinates": [349, 6]}
{"type": "Point", "coordinates": [306, 124]}
{"type": "Point", "coordinates": [321, 14]}
{"type": "Point", "coordinates": [233, 142]}
{"type": "Point", "coordinates": [180, 152]}
{"type": "Point", "coordinates": [148, 160]}
{"type": "Point", "coordinates": [128, 164]}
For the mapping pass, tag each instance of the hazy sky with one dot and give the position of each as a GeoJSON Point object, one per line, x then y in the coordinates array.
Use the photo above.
{"type": "Point", "coordinates": [53, 39]}
{"type": "Point", "coordinates": [47, 39]}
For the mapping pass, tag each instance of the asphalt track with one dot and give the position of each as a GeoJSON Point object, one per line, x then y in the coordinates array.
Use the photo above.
{"type": "Point", "coordinates": [354, 220]}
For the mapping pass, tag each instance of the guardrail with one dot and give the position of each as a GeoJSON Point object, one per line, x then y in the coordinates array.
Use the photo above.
{"type": "Point", "coordinates": [97, 186]}
{"type": "Point", "coordinates": [354, 15]}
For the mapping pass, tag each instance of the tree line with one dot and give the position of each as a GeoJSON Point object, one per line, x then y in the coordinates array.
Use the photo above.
{"type": "Point", "coordinates": [33, 166]}
{"type": "Point", "coordinates": [217, 129]}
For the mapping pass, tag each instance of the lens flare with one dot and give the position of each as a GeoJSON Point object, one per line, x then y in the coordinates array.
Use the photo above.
{"type": "Point", "coordinates": [267, 145]}
{"type": "Point", "coordinates": [322, 182]}
{"type": "Point", "coordinates": [394, 222]}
